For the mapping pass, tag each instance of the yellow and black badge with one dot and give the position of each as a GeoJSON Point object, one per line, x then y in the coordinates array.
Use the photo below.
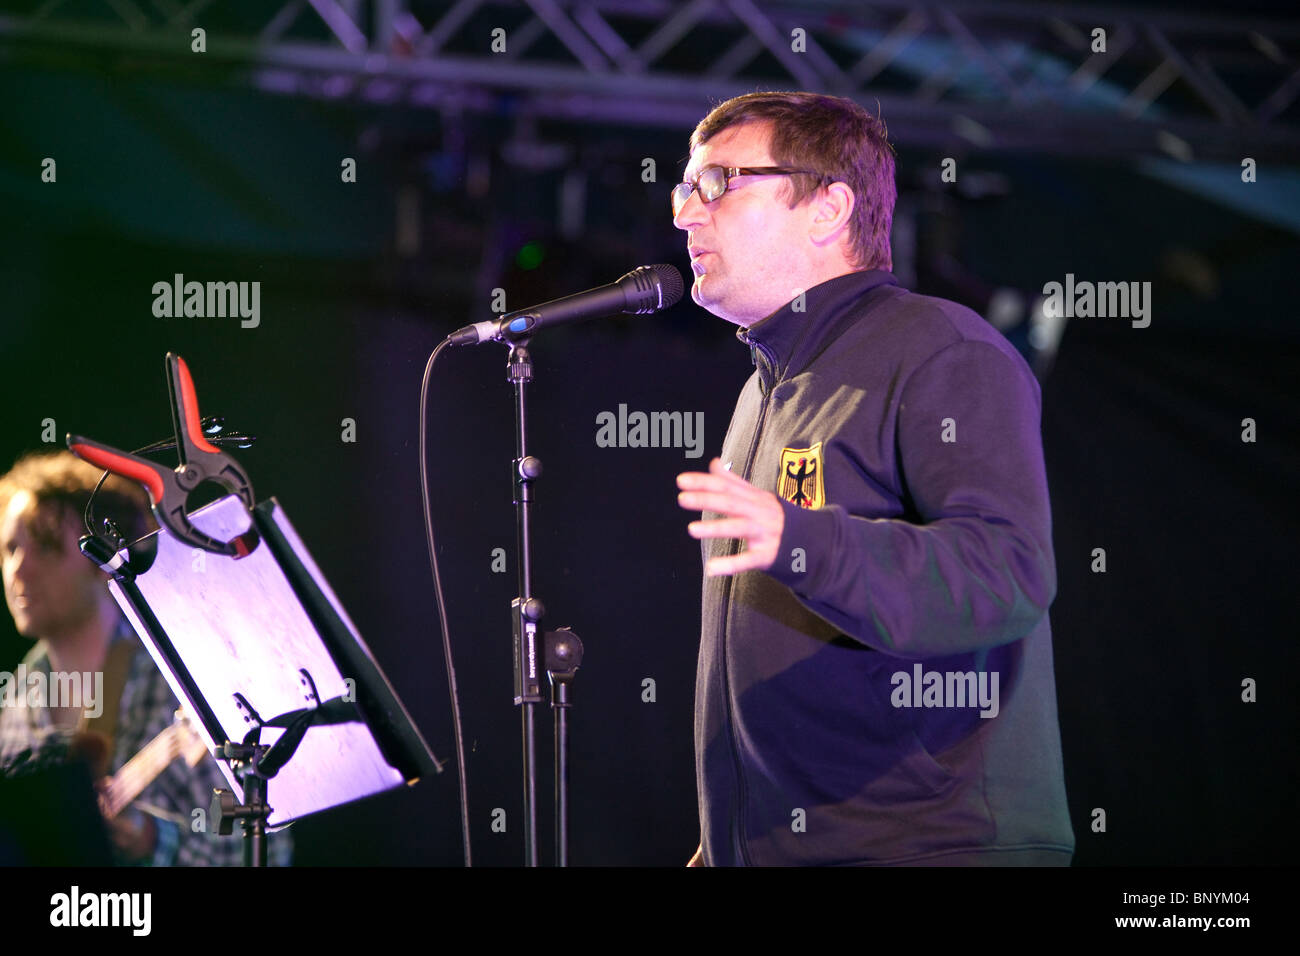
{"type": "Point", "coordinates": [801, 477]}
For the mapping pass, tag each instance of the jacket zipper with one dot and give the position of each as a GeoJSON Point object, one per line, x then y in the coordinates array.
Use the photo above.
{"type": "Point", "coordinates": [738, 825]}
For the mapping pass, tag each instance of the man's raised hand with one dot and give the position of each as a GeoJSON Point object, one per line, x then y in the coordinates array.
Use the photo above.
{"type": "Point", "coordinates": [750, 514]}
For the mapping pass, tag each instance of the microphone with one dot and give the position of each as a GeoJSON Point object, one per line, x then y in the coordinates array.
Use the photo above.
{"type": "Point", "coordinates": [644, 289]}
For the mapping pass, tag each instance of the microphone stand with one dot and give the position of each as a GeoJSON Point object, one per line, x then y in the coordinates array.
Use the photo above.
{"type": "Point", "coordinates": [644, 289]}
{"type": "Point", "coordinates": [563, 658]}
{"type": "Point", "coordinates": [561, 650]}
{"type": "Point", "coordinates": [526, 610]}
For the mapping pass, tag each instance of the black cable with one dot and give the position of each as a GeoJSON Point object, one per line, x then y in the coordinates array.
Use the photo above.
{"type": "Point", "coordinates": [442, 610]}
{"type": "Point", "coordinates": [88, 513]}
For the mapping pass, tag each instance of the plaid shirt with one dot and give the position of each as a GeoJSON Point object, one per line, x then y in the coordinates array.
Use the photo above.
{"type": "Point", "coordinates": [28, 738]}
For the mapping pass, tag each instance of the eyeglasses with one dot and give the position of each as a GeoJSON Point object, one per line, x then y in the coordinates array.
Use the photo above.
{"type": "Point", "coordinates": [713, 181]}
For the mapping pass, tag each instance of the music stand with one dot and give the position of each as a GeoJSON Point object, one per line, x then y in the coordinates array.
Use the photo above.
{"type": "Point", "coordinates": [269, 665]}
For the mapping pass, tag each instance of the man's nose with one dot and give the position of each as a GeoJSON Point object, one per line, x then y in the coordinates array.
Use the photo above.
{"type": "Point", "coordinates": [18, 564]}
{"type": "Point", "coordinates": [692, 212]}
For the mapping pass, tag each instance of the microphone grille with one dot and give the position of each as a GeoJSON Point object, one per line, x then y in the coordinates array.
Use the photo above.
{"type": "Point", "coordinates": [651, 288]}
{"type": "Point", "coordinates": [670, 282]}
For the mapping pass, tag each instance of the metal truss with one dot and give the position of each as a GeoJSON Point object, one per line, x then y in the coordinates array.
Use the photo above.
{"type": "Point", "coordinates": [961, 75]}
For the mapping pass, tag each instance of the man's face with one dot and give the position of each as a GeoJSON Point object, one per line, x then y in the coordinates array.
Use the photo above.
{"type": "Point", "coordinates": [747, 246]}
{"type": "Point", "coordinates": [49, 590]}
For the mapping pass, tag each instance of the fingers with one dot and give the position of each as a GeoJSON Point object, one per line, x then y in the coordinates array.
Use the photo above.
{"type": "Point", "coordinates": [721, 502]}
{"type": "Point", "coordinates": [752, 516]}
{"type": "Point", "coordinates": [735, 563]}
{"type": "Point", "coordinates": [719, 491]}
{"type": "Point", "coordinates": [716, 478]}
{"type": "Point", "coordinates": [718, 469]}
{"type": "Point", "coordinates": [723, 528]}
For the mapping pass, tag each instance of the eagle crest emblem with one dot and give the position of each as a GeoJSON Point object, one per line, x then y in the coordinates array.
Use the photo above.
{"type": "Point", "coordinates": [801, 481]}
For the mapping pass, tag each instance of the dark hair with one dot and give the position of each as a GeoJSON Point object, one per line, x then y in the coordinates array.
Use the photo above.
{"type": "Point", "coordinates": [61, 483]}
{"type": "Point", "coordinates": [834, 136]}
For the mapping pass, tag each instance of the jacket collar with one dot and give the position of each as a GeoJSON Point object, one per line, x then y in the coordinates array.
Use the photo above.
{"type": "Point", "coordinates": [784, 342]}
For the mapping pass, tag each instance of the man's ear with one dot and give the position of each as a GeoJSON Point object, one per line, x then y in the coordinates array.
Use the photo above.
{"type": "Point", "coordinates": [832, 213]}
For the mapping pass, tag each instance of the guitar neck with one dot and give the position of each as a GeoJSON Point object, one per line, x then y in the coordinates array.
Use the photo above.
{"type": "Point", "coordinates": [140, 771]}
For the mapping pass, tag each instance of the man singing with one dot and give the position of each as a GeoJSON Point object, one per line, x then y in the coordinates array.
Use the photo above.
{"type": "Point", "coordinates": [875, 680]}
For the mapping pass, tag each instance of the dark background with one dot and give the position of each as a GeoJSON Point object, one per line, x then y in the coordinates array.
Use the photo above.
{"type": "Point", "coordinates": [167, 169]}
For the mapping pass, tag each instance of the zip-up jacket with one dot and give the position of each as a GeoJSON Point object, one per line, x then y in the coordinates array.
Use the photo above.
{"type": "Point", "coordinates": [884, 693]}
